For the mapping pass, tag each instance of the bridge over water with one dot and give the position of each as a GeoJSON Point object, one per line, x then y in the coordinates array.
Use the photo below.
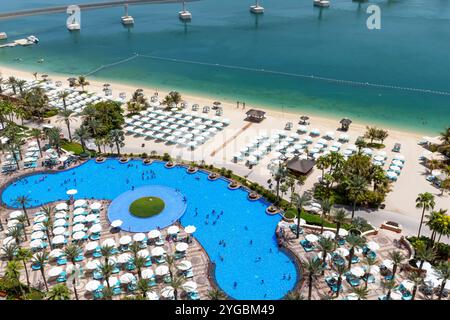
{"type": "Point", "coordinates": [88, 6]}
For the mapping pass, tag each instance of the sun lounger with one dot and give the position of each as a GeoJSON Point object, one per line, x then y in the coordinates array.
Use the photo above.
{"type": "Point", "coordinates": [307, 245]}
{"type": "Point", "coordinates": [117, 290]}
{"type": "Point", "coordinates": [36, 266]}
{"type": "Point", "coordinates": [79, 258]}
{"type": "Point", "coordinates": [152, 282]}
{"type": "Point", "coordinates": [293, 228]}
{"type": "Point", "coordinates": [132, 287]}
{"type": "Point", "coordinates": [193, 295]}
{"type": "Point", "coordinates": [115, 270]}
{"type": "Point", "coordinates": [62, 277]}
{"type": "Point", "coordinates": [130, 266]}
{"type": "Point", "coordinates": [160, 260]}
{"type": "Point", "coordinates": [167, 279]}
{"type": "Point", "coordinates": [148, 262]}
{"type": "Point", "coordinates": [61, 261]}
{"type": "Point", "coordinates": [189, 273]}
{"type": "Point", "coordinates": [97, 275]}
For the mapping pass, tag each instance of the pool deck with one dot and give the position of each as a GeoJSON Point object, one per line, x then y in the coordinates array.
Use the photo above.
{"type": "Point", "coordinates": [195, 254]}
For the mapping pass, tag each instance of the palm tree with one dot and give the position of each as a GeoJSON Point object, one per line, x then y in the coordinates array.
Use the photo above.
{"type": "Point", "coordinates": [48, 228]}
{"type": "Point", "coordinates": [134, 248]}
{"type": "Point", "coordinates": [106, 270]}
{"type": "Point", "coordinates": [354, 241]}
{"type": "Point", "coordinates": [340, 270]}
{"type": "Point", "coordinates": [361, 292]}
{"type": "Point", "coordinates": [325, 245]}
{"type": "Point", "coordinates": [63, 95]}
{"type": "Point", "coordinates": [66, 116]}
{"type": "Point", "coordinates": [216, 294]}
{"type": "Point", "coordinates": [107, 252]}
{"type": "Point", "coordinates": [444, 147]}
{"type": "Point", "coordinates": [326, 205]}
{"type": "Point", "coordinates": [72, 251]}
{"type": "Point", "coordinates": [397, 258]}
{"type": "Point", "coordinates": [143, 287]}
{"type": "Point", "coordinates": [176, 283]}
{"type": "Point", "coordinates": [339, 217]}
{"type": "Point", "coordinates": [36, 133]}
{"type": "Point", "coordinates": [313, 268]}
{"type": "Point", "coordinates": [20, 83]}
{"type": "Point", "coordinates": [9, 251]}
{"type": "Point", "coordinates": [54, 138]}
{"type": "Point", "coordinates": [417, 279]}
{"type": "Point", "coordinates": [139, 262]}
{"type": "Point", "coordinates": [23, 201]}
{"type": "Point", "coordinates": [16, 233]}
{"type": "Point", "coordinates": [82, 82]}
{"type": "Point", "coordinates": [443, 270]}
{"type": "Point", "coordinates": [388, 285]}
{"type": "Point", "coordinates": [82, 134]}
{"type": "Point", "coordinates": [25, 255]}
{"type": "Point", "coordinates": [299, 202]}
{"type": "Point", "coordinates": [279, 173]}
{"type": "Point", "coordinates": [37, 101]}
{"type": "Point", "coordinates": [22, 220]}
{"type": "Point", "coordinates": [41, 258]}
{"type": "Point", "coordinates": [12, 272]}
{"type": "Point", "coordinates": [323, 163]}
{"type": "Point", "coordinates": [357, 186]}
{"type": "Point", "coordinates": [437, 222]}
{"type": "Point", "coordinates": [117, 138]}
{"type": "Point", "coordinates": [12, 81]}
{"type": "Point", "coordinates": [426, 202]}
{"type": "Point", "coordinates": [369, 262]}
{"type": "Point", "coordinates": [59, 292]}
{"type": "Point", "coordinates": [424, 253]}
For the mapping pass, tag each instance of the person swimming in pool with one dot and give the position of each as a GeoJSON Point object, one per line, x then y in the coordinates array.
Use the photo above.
{"type": "Point", "coordinates": [251, 242]}
{"type": "Point", "coordinates": [234, 285]}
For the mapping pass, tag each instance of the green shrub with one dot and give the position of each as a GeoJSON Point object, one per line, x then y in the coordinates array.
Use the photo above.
{"type": "Point", "coordinates": [166, 157]}
{"type": "Point", "coordinates": [442, 249]}
{"type": "Point", "coordinates": [50, 113]}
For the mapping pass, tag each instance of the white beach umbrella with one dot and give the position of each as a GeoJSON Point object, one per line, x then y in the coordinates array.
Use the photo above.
{"type": "Point", "coordinates": [124, 258]}
{"type": "Point", "coordinates": [391, 175]}
{"type": "Point", "coordinates": [112, 281]}
{"type": "Point", "coordinates": [59, 222]}
{"type": "Point", "coordinates": [167, 292]}
{"type": "Point", "coordinates": [357, 271]}
{"type": "Point", "coordinates": [139, 237]}
{"type": "Point", "coordinates": [14, 222]}
{"type": "Point", "coordinates": [127, 278]}
{"type": "Point", "coordinates": [116, 223]}
{"type": "Point", "coordinates": [173, 230]}
{"type": "Point", "coordinates": [352, 296]}
{"type": "Point", "coordinates": [109, 242]}
{"type": "Point", "coordinates": [182, 246]}
{"type": "Point", "coordinates": [8, 240]}
{"type": "Point", "coordinates": [397, 163]}
{"type": "Point", "coordinates": [151, 295]}
{"type": "Point", "coordinates": [91, 217]}
{"type": "Point", "coordinates": [55, 271]}
{"type": "Point", "coordinates": [189, 286]}
{"type": "Point", "coordinates": [95, 228]}
{"type": "Point", "coordinates": [15, 214]}
{"type": "Point", "coordinates": [158, 251]}
{"type": "Point", "coordinates": [37, 235]}
{"type": "Point", "coordinates": [40, 226]}
{"type": "Point", "coordinates": [71, 192]}
{"type": "Point", "coordinates": [311, 237]}
{"type": "Point", "coordinates": [190, 229]}
{"type": "Point", "coordinates": [78, 211]}
{"type": "Point", "coordinates": [320, 256]}
{"type": "Point", "coordinates": [125, 240]}
{"type": "Point", "coordinates": [91, 246]}
{"type": "Point", "coordinates": [147, 273]}
{"type": "Point", "coordinates": [162, 270]}
{"type": "Point", "coordinates": [56, 253]}
{"type": "Point", "coordinates": [58, 239]}
{"type": "Point", "coordinates": [40, 218]}
{"type": "Point", "coordinates": [93, 264]}
{"type": "Point", "coordinates": [343, 232]}
{"type": "Point", "coordinates": [153, 234]}
{"type": "Point", "coordinates": [143, 253]}
{"type": "Point", "coordinates": [59, 230]}
{"type": "Point", "coordinates": [388, 263]}
{"type": "Point", "coordinates": [95, 206]}
{"type": "Point", "coordinates": [78, 235]}
{"type": "Point", "coordinates": [396, 295]}
{"type": "Point", "coordinates": [78, 227]}
{"type": "Point", "coordinates": [79, 219]}
{"type": "Point", "coordinates": [342, 251]}
{"type": "Point", "coordinates": [61, 215]}
{"type": "Point", "coordinates": [328, 234]}
{"type": "Point", "coordinates": [38, 243]}
{"type": "Point", "coordinates": [79, 203]}
{"type": "Point", "coordinates": [61, 206]}
{"type": "Point", "coordinates": [92, 285]}
{"type": "Point", "coordinates": [184, 265]}
{"type": "Point", "coordinates": [408, 284]}
{"type": "Point", "coordinates": [372, 245]}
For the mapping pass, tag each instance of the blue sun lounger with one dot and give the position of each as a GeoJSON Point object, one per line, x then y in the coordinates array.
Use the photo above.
{"type": "Point", "coordinates": [307, 246]}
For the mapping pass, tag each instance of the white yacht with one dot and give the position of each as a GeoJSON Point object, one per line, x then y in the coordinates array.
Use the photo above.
{"type": "Point", "coordinates": [256, 8]}
{"type": "Point", "coordinates": [184, 14]}
{"type": "Point", "coordinates": [321, 3]}
{"type": "Point", "coordinates": [73, 26]}
{"type": "Point", "coordinates": [127, 19]}
{"type": "Point", "coordinates": [3, 36]}
{"type": "Point", "coordinates": [33, 39]}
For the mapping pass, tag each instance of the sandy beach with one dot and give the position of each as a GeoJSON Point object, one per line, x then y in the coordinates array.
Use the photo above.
{"type": "Point", "coordinates": [220, 149]}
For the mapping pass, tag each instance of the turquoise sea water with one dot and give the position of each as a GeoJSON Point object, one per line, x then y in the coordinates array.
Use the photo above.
{"type": "Point", "coordinates": [250, 255]}
{"type": "Point", "coordinates": [230, 54]}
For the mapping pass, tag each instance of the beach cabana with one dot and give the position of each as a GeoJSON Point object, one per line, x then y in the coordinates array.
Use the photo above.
{"type": "Point", "coordinates": [300, 167]}
{"type": "Point", "coordinates": [254, 115]}
{"type": "Point", "coordinates": [345, 124]}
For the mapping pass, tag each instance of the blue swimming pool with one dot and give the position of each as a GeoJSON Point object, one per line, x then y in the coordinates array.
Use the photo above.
{"type": "Point", "coordinates": [248, 264]}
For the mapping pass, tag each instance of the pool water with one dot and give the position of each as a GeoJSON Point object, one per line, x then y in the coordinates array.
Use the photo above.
{"type": "Point", "coordinates": [248, 266]}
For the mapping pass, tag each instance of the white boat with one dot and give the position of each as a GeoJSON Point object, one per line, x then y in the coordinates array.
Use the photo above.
{"type": "Point", "coordinates": [3, 36]}
{"type": "Point", "coordinates": [127, 19]}
{"type": "Point", "coordinates": [256, 8]}
{"type": "Point", "coordinates": [73, 26]}
{"type": "Point", "coordinates": [184, 14]}
{"type": "Point", "coordinates": [33, 39]}
{"type": "Point", "coordinates": [322, 3]}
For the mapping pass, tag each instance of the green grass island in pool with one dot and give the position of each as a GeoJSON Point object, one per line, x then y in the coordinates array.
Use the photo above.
{"type": "Point", "coordinates": [147, 207]}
